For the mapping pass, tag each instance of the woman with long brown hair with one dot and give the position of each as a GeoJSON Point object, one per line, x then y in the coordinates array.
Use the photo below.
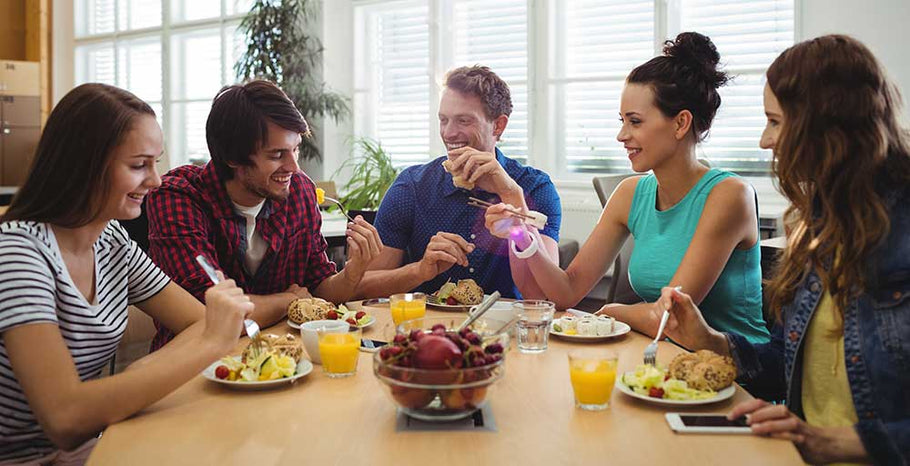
{"type": "Point", "coordinates": [841, 353]}
{"type": "Point", "coordinates": [68, 272]}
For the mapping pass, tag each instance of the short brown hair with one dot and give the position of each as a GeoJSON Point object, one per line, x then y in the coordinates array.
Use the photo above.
{"type": "Point", "coordinates": [485, 84]}
{"type": "Point", "coordinates": [67, 181]}
{"type": "Point", "coordinates": [237, 125]}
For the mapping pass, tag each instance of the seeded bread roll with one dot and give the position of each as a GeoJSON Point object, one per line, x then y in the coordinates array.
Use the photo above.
{"type": "Point", "coordinates": [704, 370]}
{"type": "Point", "coordinates": [457, 180]}
{"type": "Point", "coordinates": [306, 309]}
{"type": "Point", "coordinates": [467, 292]}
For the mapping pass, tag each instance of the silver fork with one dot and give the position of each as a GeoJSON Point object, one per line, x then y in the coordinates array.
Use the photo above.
{"type": "Point", "coordinates": [651, 349]}
{"type": "Point", "coordinates": [250, 325]}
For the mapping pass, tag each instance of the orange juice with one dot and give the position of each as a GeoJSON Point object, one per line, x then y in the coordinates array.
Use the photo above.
{"type": "Point", "coordinates": [592, 380]}
{"type": "Point", "coordinates": [339, 352]}
{"type": "Point", "coordinates": [407, 306]}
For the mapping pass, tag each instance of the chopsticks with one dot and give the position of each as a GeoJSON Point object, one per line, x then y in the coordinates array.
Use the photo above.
{"type": "Point", "coordinates": [473, 201]}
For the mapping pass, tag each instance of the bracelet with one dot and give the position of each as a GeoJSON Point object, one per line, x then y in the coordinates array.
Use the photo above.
{"type": "Point", "coordinates": [529, 251]}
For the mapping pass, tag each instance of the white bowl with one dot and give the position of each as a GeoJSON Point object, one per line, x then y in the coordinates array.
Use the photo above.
{"type": "Point", "coordinates": [311, 340]}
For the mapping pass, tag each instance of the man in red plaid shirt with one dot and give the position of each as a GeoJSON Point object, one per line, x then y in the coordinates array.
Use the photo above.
{"type": "Point", "coordinates": [252, 212]}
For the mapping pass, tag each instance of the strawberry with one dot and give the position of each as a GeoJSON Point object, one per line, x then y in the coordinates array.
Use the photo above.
{"type": "Point", "coordinates": [655, 392]}
{"type": "Point", "coordinates": [332, 315]}
{"type": "Point", "coordinates": [360, 315]}
{"type": "Point", "coordinates": [222, 372]}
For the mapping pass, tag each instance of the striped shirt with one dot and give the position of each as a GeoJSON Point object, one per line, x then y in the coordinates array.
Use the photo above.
{"type": "Point", "coordinates": [35, 287]}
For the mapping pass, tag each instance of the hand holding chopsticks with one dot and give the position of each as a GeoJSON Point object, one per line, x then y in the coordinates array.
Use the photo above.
{"type": "Point", "coordinates": [533, 218]}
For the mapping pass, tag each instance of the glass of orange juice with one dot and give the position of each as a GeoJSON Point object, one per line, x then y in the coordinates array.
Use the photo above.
{"type": "Point", "coordinates": [593, 373]}
{"type": "Point", "coordinates": [407, 306]}
{"type": "Point", "coordinates": [339, 351]}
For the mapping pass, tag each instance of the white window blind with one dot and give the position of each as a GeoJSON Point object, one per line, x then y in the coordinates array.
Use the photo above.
{"type": "Point", "coordinates": [591, 46]}
{"type": "Point", "coordinates": [121, 42]}
{"type": "Point", "coordinates": [598, 43]}
{"type": "Point", "coordinates": [748, 36]}
{"type": "Point", "coordinates": [495, 34]}
{"type": "Point", "coordinates": [394, 86]}
{"type": "Point", "coordinates": [401, 66]}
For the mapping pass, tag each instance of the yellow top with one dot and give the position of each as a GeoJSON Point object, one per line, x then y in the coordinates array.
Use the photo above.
{"type": "Point", "coordinates": [827, 401]}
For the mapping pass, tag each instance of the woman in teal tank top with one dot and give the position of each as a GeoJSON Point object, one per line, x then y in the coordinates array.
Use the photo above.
{"type": "Point", "coordinates": [693, 227]}
{"type": "Point", "coordinates": [662, 238]}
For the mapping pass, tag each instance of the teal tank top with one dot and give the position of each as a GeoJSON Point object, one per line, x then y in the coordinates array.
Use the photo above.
{"type": "Point", "coordinates": [734, 304]}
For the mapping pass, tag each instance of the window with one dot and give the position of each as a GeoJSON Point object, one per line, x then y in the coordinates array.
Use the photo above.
{"type": "Point", "coordinates": [174, 54]}
{"type": "Point", "coordinates": [402, 62]}
{"type": "Point", "coordinates": [586, 49]}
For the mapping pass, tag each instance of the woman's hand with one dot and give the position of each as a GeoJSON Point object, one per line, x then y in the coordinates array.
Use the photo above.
{"type": "Point", "coordinates": [817, 445]}
{"type": "Point", "coordinates": [686, 324]}
{"type": "Point", "coordinates": [501, 223]}
{"type": "Point", "coordinates": [225, 308]}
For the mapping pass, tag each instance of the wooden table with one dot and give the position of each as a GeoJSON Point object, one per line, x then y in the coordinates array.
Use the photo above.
{"type": "Point", "coordinates": [352, 421]}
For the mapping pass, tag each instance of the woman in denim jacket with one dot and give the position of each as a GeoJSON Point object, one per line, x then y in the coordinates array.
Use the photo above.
{"type": "Point", "coordinates": [840, 354]}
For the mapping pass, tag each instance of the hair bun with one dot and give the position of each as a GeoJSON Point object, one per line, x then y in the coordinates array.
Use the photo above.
{"type": "Point", "coordinates": [698, 53]}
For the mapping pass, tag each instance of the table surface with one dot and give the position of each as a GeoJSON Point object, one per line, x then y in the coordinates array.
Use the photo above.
{"type": "Point", "coordinates": [352, 421]}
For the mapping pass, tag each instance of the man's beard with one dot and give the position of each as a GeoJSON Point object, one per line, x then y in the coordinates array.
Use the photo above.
{"type": "Point", "coordinates": [252, 187]}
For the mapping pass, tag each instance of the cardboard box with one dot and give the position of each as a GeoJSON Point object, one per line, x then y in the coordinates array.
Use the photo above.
{"type": "Point", "coordinates": [20, 78]}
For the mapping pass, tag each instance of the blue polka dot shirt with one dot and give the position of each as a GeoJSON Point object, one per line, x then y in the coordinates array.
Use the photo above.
{"type": "Point", "coordinates": [423, 201]}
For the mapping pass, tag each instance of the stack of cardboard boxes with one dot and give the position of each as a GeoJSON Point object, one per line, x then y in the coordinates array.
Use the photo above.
{"type": "Point", "coordinates": [20, 119]}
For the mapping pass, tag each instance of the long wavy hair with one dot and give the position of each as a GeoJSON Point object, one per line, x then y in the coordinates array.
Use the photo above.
{"type": "Point", "coordinates": [68, 179]}
{"type": "Point", "coordinates": [839, 152]}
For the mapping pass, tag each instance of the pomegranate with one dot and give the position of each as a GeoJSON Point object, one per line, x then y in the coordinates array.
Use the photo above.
{"type": "Point", "coordinates": [436, 352]}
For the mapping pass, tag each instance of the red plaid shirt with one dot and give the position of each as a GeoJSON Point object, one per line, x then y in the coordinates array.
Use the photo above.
{"type": "Point", "coordinates": [191, 214]}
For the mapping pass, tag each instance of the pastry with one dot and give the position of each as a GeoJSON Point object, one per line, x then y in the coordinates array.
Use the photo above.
{"type": "Point", "coordinates": [704, 370]}
{"type": "Point", "coordinates": [458, 180]}
{"type": "Point", "coordinates": [467, 292]}
{"type": "Point", "coordinates": [306, 309]}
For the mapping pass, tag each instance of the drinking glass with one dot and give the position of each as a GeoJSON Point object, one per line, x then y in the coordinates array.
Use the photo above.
{"type": "Point", "coordinates": [339, 351]}
{"type": "Point", "coordinates": [534, 318]}
{"type": "Point", "coordinates": [593, 373]}
{"type": "Point", "coordinates": [407, 306]}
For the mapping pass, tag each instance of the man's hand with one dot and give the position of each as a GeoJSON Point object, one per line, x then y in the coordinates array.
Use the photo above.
{"type": "Point", "coordinates": [364, 245]}
{"type": "Point", "coordinates": [444, 251]}
{"type": "Point", "coordinates": [298, 291]}
{"type": "Point", "coordinates": [482, 169]}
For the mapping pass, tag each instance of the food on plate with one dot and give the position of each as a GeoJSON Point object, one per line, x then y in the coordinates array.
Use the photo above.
{"type": "Point", "coordinates": [467, 292]}
{"type": "Point", "coordinates": [277, 358]}
{"type": "Point", "coordinates": [590, 325]}
{"type": "Point", "coordinates": [307, 309]}
{"type": "Point", "coordinates": [691, 376]}
{"type": "Point", "coordinates": [704, 370]}
{"type": "Point", "coordinates": [458, 180]}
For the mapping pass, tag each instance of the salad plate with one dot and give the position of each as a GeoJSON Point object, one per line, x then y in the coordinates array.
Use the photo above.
{"type": "Point", "coordinates": [434, 302]}
{"type": "Point", "coordinates": [619, 329]}
{"type": "Point", "coordinates": [370, 321]}
{"type": "Point", "coordinates": [721, 395]}
{"type": "Point", "coordinates": [304, 367]}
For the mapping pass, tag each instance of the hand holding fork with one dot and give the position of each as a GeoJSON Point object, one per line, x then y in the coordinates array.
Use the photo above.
{"type": "Point", "coordinates": [651, 350]}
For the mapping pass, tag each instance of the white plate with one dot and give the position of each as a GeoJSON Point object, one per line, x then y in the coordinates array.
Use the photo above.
{"type": "Point", "coordinates": [369, 322]}
{"type": "Point", "coordinates": [721, 395]}
{"type": "Point", "coordinates": [455, 307]}
{"type": "Point", "coordinates": [304, 367]}
{"type": "Point", "coordinates": [619, 328]}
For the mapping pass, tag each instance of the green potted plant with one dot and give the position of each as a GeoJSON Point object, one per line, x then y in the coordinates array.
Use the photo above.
{"type": "Point", "coordinates": [372, 172]}
{"type": "Point", "coordinates": [279, 49]}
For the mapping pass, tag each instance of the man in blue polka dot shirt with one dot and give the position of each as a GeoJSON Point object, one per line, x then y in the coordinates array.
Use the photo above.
{"type": "Point", "coordinates": [430, 233]}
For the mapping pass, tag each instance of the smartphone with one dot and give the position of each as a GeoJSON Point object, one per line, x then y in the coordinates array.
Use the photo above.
{"type": "Point", "coordinates": [698, 423]}
{"type": "Point", "coordinates": [371, 346]}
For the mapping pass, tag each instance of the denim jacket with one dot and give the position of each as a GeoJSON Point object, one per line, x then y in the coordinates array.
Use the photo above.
{"type": "Point", "coordinates": [876, 345]}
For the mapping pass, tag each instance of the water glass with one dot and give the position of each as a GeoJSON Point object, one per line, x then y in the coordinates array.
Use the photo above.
{"type": "Point", "coordinates": [592, 373]}
{"type": "Point", "coordinates": [534, 318]}
{"type": "Point", "coordinates": [339, 351]}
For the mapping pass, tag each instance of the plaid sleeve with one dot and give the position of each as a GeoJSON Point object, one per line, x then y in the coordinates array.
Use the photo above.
{"type": "Point", "coordinates": [310, 258]}
{"type": "Point", "coordinates": [395, 218]}
{"type": "Point", "coordinates": [178, 232]}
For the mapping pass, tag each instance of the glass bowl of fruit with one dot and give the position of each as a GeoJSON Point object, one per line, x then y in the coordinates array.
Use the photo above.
{"type": "Point", "coordinates": [434, 373]}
